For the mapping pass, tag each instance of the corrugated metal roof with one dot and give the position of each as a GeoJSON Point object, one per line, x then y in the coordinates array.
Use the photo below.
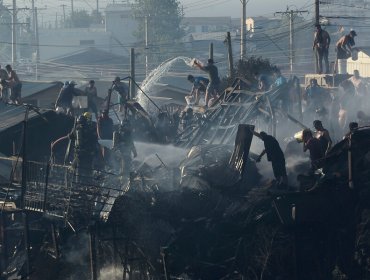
{"type": "Point", "coordinates": [30, 88]}
{"type": "Point", "coordinates": [12, 115]}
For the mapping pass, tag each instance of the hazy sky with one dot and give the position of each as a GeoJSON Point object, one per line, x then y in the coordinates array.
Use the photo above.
{"type": "Point", "coordinates": [207, 8]}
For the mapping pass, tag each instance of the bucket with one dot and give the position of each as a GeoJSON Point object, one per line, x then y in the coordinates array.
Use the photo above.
{"type": "Point", "coordinates": [342, 66]}
{"type": "Point", "coordinates": [354, 54]}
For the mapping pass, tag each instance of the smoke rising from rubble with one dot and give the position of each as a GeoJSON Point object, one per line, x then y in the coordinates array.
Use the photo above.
{"type": "Point", "coordinates": [170, 155]}
{"type": "Point", "coordinates": [111, 273]}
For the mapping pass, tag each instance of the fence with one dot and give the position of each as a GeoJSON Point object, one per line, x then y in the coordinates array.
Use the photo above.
{"type": "Point", "coordinates": [60, 191]}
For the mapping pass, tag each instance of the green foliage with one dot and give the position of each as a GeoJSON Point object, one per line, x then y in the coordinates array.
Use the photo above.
{"type": "Point", "coordinates": [247, 68]}
{"type": "Point", "coordinates": [164, 18]}
{"type": "Point", "coordinates": [81, 19]}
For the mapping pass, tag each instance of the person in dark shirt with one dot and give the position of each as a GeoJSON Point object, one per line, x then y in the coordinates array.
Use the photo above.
{"type": "Point", "coordinates": [275, 155]}
{"type": "Point", "coordinates": [314, 146]}
{"type": "Point", "coordinates": [105, 126]}
{"type": "Point", "coordinates": [214, 80]}
{"type": "Point", "coordinates": [321, 44]}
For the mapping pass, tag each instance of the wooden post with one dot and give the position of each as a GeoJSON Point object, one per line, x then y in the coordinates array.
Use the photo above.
{"type": "Point", "coordinates": [132, 73]}
{"type": "Point", "coordinates": [93, 269]}
{"type": "Point", "coordinates": [211, 51]}
{"type": "Point", "coordinates": [26, 243]}
{"type": "Point", "coordinates": [230, 55]}
{"type": "Point", "coordinates": [3, 242]}
{"type": "Point", "coordinates": [55, 241]}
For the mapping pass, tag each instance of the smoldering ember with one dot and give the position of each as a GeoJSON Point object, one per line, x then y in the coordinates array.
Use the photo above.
{"type": "Point", "coordinates": [175, 167]}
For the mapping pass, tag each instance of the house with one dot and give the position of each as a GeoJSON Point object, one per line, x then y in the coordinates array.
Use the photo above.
{"type": "Point", "coordinates": [62, 41]}
{"type": "Point", "coordinates": [254, 23]}
{"type": "Point", "coordinates": [362, 64]}
{"type": "Point", "coordinates": [121, 24]}
{"type": "Point", "coordinates": [42, 128]}
{"type": "Point", "coordinates": [206, 24]}
{"type": "Point", "coordinates": [41, 94]}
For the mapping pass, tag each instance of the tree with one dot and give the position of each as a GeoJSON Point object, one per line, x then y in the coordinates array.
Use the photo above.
{"type": "Point", "coordinates": [163, 18]}
{"type": "Point", "coordinates": [81, 19]}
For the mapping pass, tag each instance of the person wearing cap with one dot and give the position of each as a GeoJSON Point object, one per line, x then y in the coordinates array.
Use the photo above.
{"type": "Point", "coordinates": [321, 43]}
{"type": "Point", "coordinates": [123, 92]}
{"type": "Point", "coordinates": [92, 96]}
{"type": "Point", "coordinates": [275, 155]}
{"type": "Point", "coordinates": [344, 46]}
{"type": "Point", "coordinates": [214, 80]}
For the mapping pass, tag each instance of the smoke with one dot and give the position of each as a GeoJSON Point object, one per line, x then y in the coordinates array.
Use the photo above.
{"type": "Point", "coordinates": [169, 154]}
{"type": "Point", "coordinates": [154, 76]}
{"type": "Point", "coordinates": [111, 273]}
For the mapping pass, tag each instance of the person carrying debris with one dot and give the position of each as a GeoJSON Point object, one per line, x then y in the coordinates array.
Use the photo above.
{"type": "Point", "coordinates": [359, 84]}
{"type": "Point", "coordinates": [199, 86]}
{"type": "Point", "coordinates": [65, 97]}
{"type": "Point", "coordinates": [86, 147]}
{"type": "Point", "coordinates": [123, 143]}
{"type": "Point", "coordinates": [275, 155]}
{"type": "Point", "coordinates": [214, 80]}
{"type": "Point", "coordinates": [323, 135]}
{"type": "Point", "coordinates": [314, 146]}
{"type": "Point", "coordinates": [122, 90]}
{"type": "Point", "coordinates": [344, 47]}
{"type": "Point", "coordinates": [92, 96]}
{"type": "Point", "coordinates": [321, 45]}
{"type": "Point", "coordinates": [15, 85]}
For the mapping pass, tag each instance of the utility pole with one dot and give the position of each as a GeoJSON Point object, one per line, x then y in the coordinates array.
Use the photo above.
{"type": "Point", "coordinates": [14, 34]}
{"type": "Point", "coordinates": [243, 31]}
{"type": "Point", "coordinates": [210, 51]}
{"type": "Point", "coordinates": [291, 15]}
{"type": "Point", "coordinates": [64, 15]}
{"type": "Point", "coordinates": [72, 15]}
{"type": "Point", "coordinates": [317, 12]}
{"type": "Point", "coordinates": [146, 46]}
{"type": "Point", "coordinates": [132, 73]}
{"type": "Point", "coordinates": [33, 15]}
{"type": "Point", "coordinates": [230, 55]}
{"type": "Point", "coordinates": [97, 11]}
{"type": "Point", "coordinates": [37, 42]}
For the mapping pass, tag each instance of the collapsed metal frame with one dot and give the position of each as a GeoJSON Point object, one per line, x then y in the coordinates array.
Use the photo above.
{"type": "Point", "coordinates": [57, 191]}
{"type": "Point", "coordinates": [234, 106]}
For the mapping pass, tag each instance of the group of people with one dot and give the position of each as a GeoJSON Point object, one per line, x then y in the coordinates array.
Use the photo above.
{"type": "Point", "coordinates": [89, 155]}
{"type": "Point", "coordinates": [318, 143]}
{"type": "Point", "coordinates": [321, 44]}
{"type": "Point", "coordinates": [209, 87]}
{"type": "Point", "coordinates": [10, 86]}
{"type": "Point", "coordinates": [68, 92]}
